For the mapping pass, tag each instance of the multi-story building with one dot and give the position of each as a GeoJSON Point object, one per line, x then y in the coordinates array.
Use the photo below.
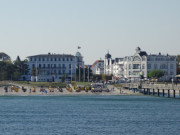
{"type": "Point", "coordinates": [118, 71]}
{"type": "Point", "coordinates": [98, 67]}
{"type": "Point", "coordinates": [131, 67]}
{"type": "Point", "coordinates": [51, 67]}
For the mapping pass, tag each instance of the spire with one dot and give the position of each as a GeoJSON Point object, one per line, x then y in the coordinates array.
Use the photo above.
{"type": "Point", "coordinates": [18, 59]}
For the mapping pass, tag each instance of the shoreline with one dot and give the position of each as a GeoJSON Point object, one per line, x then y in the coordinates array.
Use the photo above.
{"type": "Point", "coordinates": [66, 93]}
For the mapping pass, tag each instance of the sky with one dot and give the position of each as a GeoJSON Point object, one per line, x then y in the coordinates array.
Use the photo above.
{"type": "Point", "coordinates": [31, 27]}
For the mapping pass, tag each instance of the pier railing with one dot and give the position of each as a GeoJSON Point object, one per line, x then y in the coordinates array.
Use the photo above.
{"type": "Point", "coordinates": [152, 86]}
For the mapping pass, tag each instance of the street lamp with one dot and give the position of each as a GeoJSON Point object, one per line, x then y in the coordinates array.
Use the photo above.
{"type": "Point", "coordinates": [172, 83]}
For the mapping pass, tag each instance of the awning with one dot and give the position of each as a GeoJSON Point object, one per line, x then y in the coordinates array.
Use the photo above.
{"type": "Point", "coordinates": [177, 75]}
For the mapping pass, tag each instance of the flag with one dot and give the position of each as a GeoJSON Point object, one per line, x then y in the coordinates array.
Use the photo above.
{"type": "Point", "coordinates": [79, 47]}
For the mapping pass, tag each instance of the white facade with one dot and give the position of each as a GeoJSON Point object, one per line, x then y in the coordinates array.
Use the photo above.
{"type": "Point", "coordinates": [108, 64]}
{"type": "Point", "coordinates": [118, 70]}
{"type": "Point", "coordinates": [98, 67]}
{"type": "Point", "coordinates": [51, 67]}
{"type": "Point", "coordinates": [131, 67]}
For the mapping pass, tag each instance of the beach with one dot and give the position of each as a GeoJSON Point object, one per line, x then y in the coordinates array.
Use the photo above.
{"type": "Point", "coordinates": [45, 91]}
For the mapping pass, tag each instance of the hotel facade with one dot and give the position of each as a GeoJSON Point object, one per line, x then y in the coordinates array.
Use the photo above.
{"type": "Point", "coordinates": [51, 67]}
{"type": "Point", "coordinates": [131, 67]}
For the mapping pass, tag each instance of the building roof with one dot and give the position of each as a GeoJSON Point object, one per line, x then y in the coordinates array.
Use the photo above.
{"type": "Point", "coordinates": [142, 53]}
{"type": "Point", "coordinates": [78, 54]}
{"type": "Point", "coordinates": [107, 56]}
{"type": "Point", "coordinates": [52, 55]}
{"type": "Point", "coordinates": [97, 61]}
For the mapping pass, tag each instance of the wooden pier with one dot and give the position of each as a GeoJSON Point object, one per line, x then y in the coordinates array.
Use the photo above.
{"type": "Point", "coordinates": [163, 90]}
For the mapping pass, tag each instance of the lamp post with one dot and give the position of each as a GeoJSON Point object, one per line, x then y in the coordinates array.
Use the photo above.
{"type": "Point", "coordinates": [172, 83]}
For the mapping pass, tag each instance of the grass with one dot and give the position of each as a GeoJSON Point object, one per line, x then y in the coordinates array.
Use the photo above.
{"type": "Point", "coordinates": [42, 84]}
{"type": "Point", "coordinates": [47, 84]}
{"type": "Point", "coordinates": [81, 83]}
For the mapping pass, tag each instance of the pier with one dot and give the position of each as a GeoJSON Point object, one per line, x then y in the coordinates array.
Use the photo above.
{"type": "Point", "coordinates": [160, 90]}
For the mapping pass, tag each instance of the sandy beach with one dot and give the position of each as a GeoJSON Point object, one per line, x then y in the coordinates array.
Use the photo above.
{"type": "Point", "coordinates": [56, 92]}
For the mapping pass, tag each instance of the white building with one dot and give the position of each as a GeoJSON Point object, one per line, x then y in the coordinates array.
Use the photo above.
{"type": "Point", "coordinates": [98, 67]}
{"type": "Point", "coordinates": [118, 70]}
{"type": "Point", "coordinates": [51, 67]}
{"type": "Point", "coordinates": [108, 64]}
{"type": "Point", "coordinates": [131, 67]}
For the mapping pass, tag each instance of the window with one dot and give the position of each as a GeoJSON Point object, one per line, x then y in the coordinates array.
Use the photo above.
{"type": "Point", "coordinates": [30, 59]}
{"type": "Point", "coordinates": [39, 59]}
{"type": "Point", "coordinates": [54, 65]}
{"type": "Point", "coordinates": [63, 59]}
{"type": "Point", "coordinates": [51, 59]}
{"type": "Point", "coordinates": [149, 66]}
{"type": "Point", "coordinates": [69, 66]}
{"type": "Point", "coordinates": [71, 59]}
{"type": "Point", "coordinates": [136, 58]}
{"type": "Point", "coordinates": [42, 59]}
{"type": "Point", "coordinates": [129, 66]}
{"type": "Point", "coordinates": [59, 59]}
{"type": "Point", "coordinates": [67, 59]}
{"type": "Point", "coordinates": [171, 73]}
{"type": "Point", "coordinates": [155, 66]}
{"type": "Point", "coordinates": [143, 58]}
{"type": "Point", "coordinates": [171, 66]}
{"type": "Point", "coordinates": [59, 65]}
{"type": "Point", "coordinates": [136, 66]}
{"type": "Point", "coordinates": [143, 66]}
{"type": "Point", "coordinates": [39, 65]}
{"type": "Point", "coordinates": [59, 72]}
{"type": "Point", "coordinates": [54, 59]}
{"type": "Point", "coordinates": [44, 65]}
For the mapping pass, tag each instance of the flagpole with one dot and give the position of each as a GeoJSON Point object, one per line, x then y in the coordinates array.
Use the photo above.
{"type": "Point", "coordinates": [88, 73]}
{"type": "Point", "coordinates": [36, 71]}
{"type": "Point", "coordinates": [75, 72]}
{"type": "Point", "coordinates": [84, 73]}
{"type": "Point", "coordinates": [79, 73]}
{"type": "Point", "coordinates": [71, 73]}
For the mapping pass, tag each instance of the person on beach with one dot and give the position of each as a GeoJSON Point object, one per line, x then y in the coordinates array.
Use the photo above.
{"type": "Point", "coordinates": [30, 90]}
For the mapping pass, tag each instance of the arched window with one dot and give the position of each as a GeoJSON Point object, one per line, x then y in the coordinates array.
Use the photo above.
{"type": "Point", "coordinates": [136, 58]}
{"type": "Point", "coordinates": [143, 58]}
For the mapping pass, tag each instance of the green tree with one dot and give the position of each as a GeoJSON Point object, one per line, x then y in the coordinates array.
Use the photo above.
{"type": "Point", "coordinates": [16, 75]}
{"type": "Point", "coordinates": [156, 74]}
{"type": "Point", "coordinates": [63, 78]}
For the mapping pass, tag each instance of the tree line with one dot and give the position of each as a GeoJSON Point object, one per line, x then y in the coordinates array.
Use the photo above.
{"type": "Point", "coordinates": [13, 71]}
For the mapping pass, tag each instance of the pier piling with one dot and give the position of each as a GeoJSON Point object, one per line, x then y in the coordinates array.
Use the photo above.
{"type": "Point", "coordinates": [153, 91]}
{"type": "Point", "coordinates": [174, 94]}
{"type": "Point", "coordinates": [163, 92]}
{"type": "Point", "coordinates": [158, 92]}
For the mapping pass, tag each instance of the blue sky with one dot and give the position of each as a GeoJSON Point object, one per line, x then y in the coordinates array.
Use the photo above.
{"type": "Point", "coordinates": [59, 26]}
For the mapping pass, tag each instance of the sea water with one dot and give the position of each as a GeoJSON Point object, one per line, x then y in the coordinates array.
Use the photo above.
{"type": "Point", "coordinates": [89, 115]}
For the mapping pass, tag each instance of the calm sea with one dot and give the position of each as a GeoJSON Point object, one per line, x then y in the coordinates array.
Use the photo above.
{"type": "Point", "coordinates": [89, 115]}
